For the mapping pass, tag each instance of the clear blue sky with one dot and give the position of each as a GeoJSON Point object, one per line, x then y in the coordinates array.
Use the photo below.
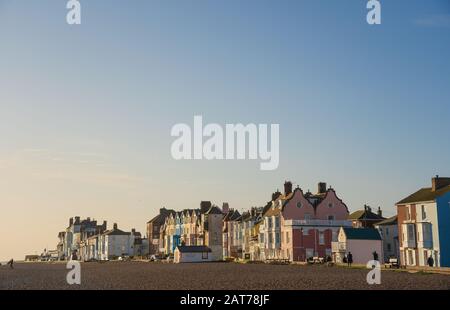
{"type": "Point", "coordinates": [86, 111]}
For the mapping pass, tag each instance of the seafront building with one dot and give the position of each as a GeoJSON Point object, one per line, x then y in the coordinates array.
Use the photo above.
{"type": "Point", "coordinates": [388, 230]}
{"type": "Point", "coordinates": [193, 227]}
{"type": "Point", "coordinates": [365, 218]}
{"type": "Point", "coordinates": [85, 240]}
{"type": "Point", "coordinates": [298, 226]}
{"type": "Point", "coordinates": [424, 225]}
{"type": "Point", "coordinates": [154, 230]}
{"type": "Point", "coordinates": [362, 243]}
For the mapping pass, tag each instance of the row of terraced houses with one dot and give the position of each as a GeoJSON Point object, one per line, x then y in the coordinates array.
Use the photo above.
{"type": "Point", "coordinates": [294, 225]}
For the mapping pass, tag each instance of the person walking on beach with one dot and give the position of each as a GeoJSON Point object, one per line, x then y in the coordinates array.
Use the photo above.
{"type": "Point", "coordinates": [375, 255]}
{"type": "Point", "coordinates": [11, 264]}
{"type": "Point", "coordinates": [349, 259]}
{"type": "Point", "coordinates": [430, 261]}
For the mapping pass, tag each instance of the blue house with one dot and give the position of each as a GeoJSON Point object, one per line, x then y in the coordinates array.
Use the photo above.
{"type": "Point", "coordinates": [424, 225]}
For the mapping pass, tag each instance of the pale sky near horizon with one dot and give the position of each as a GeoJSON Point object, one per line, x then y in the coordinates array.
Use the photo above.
{"type": "Point", "coordinates": [86, 111]}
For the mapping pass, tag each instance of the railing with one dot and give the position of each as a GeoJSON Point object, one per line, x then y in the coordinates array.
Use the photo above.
{"type": "Point", "coordinates": [338, 247]}
{"type": "Point", "coordinates": [337, 223]}
{"type": "Point", "coordinates": [427, 244]}
{"type": "Point", "coordinates": [409, 243]}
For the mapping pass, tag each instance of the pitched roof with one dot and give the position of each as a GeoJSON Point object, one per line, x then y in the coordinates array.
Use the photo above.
{"type": "Point", "coordinates": [161, 217]}
{"type": "Point", "coordinates": [364, 215]}
{"type": "Point", "coordinates": [425, 194]}
{"type": "Point", "coordinates": [214, 210]}
{"type": "Point", "coordinates": [362, 233]}
{"type": "Point", "coordinates": [193, 248]}
{"type": "Point", "coordinates": [389, 221]}
{"type": "Point", "coordinates": [273, 211]}
{"type": "Point", "coordinates": [115, 232]}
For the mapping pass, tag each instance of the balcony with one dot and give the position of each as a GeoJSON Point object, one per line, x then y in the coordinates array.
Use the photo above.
{"type": "Point", "coordinates": [426, 244]}
{"type": "Point", "coordinates": [337, 247]}
{"type": "Point", "coordinates": [409, 243]}
{"type": "Point", "coordinates": [327, 223]}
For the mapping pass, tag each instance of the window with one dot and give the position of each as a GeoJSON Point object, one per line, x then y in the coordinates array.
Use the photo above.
{"type": "Point", "coordinates": [331, 217]}
{"type": "Point", "coordinates": [277, 238]}
{"type": "Point", "coordinates": [387, 231]}
{"type": "Point", "coordinates": [410, 258]}
{"type": "Point", "coordinates": [308, 216]}
{"type": "Point", "coordinates": [321, 238]}
{"type": "Point", "coordinates": [270, 222]}
{"type": "Point", "coordinates": [299, 205]}
{"type": "Point", "coordinates": [424, 213]}
{"type": "Point", "coordinates": [277, 222]}
{"type": "Point", "coordinates": [204, 255]}
{"type": "Point", "coordinates": [330, 205]}
{"type": "Point", "coordinates": [389, 247]}
{"type": "Point", "coordinates": [410, 232]}
{"type": "Point", "coordinates": [270, 238]}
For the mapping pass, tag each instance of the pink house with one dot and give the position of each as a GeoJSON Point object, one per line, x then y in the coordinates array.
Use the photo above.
{"type": "Point", "coordinates": [308, 223]}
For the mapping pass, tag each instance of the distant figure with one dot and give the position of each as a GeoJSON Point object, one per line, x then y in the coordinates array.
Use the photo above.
{"type": "Point", "coordinates": [430, 261]}
{"type": "Point", "coordinates": [349, 259]}
{"type": "Point", "coordinates": [11, 263]}
{"type": "Point", "coordinates": [375, 255]}
{"type": "Point", "coordinates": [74, 255]}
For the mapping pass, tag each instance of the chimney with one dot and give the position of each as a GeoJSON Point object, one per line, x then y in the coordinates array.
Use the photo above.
{"type": "Point", "coordinates": [287, 187]}
{"type": "Point", "coordinates": [104, 225]}
{"type": "Point", "coordinates": [225, 208]}
{"type": "Point", "coordinates": [322, 188]}
{"type": "Point", "coordinates": [133, 231]}
{"type": "Point", "coordinates": [438, 183]}
{"type": "Point", "coordinates": [379, 212]}
{"type": "Point", "coordinates": [205, 206]}
{"type": "Point", "coordinates": [115, 226]}
{"type": "Point", "coordinates": [71, 221]}
{"type": "Point", "coordinates": [77, 220]}
{"type": "Point", "coordinates": [88, 219]}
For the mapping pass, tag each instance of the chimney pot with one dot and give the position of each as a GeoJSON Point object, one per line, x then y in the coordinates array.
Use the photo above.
{"type": "Point", "coordinates": [225, 208]}
{"type": "Point", "coordinates": [438, 183]}
{"type": "Point", "coordinates": [115, 226]}
{"type": "Point", "coordinates": [322, 188]}
{"type": "Point", "coordinates": [287, 187]}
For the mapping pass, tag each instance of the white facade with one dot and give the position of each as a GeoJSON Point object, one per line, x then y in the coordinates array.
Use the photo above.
{"type": "Point", "coordinates": [421, 234]}
{"type": "Point", "coordinates": [114, 245]}
{"type": "Point", "coordinates": [192, 257]}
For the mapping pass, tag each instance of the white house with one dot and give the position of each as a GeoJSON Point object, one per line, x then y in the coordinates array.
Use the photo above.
{"type": "Point", "coordinates": [192, 254]}
{"type": "Point", "coordinates": [389, 233]}
{"type": "Point", "coordinates": [115, 243]}
{"type": "Point", "coordinates": [360, 242]}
